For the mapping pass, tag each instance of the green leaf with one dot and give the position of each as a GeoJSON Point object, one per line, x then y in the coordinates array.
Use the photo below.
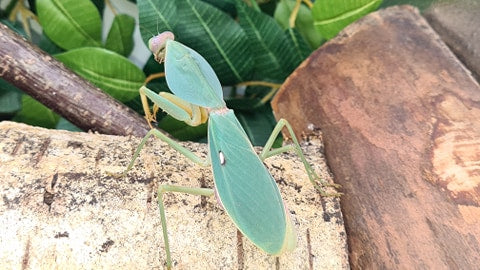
{"type": "Point", "coordinates": [258, 124]}
{"type": "Point", "coordinates": [48, 46]}
{"type": "Point", "coordinates": [10, 98]}
{"type": "Point", "coordinates": [182, 131]}
{"type": "Point", "coordinates": [70, 23]}
{"type": "Point", "coordinates": [16, 27]}
{"type": "Point", "coordinates": [303, 22]}
{"type": "Point", "coordinates": [267, 42]}
{"type": "Point", "coordinates": [243, 104]}
{"type": "Point", "coordinates": [152, 66]}
{"type": "Point", "coordinates": [31, 4]}
{"type": "Point", "coordinates": [331, 16]}
{"type": "Point", "coordinates": [120, 36]}
{"type": "Point", "coordinates": [66, 125]}
{"type": "Point", "coordinates": [156, 16]}
{"type": "Point", "coordinates": [227, 6]}
{"type": "Point", "coordinates": [299, 46]}
{"type": "Point", "coordinates": [217, 37]}
{"type": "Point", "coordinates": [35, 113]}
{"type": "Point", "coordinates": [99, 4]}
{"type": "Point", "coordinates": [251, 99]}
{"type": "Point", "coordinates": [110, 71]}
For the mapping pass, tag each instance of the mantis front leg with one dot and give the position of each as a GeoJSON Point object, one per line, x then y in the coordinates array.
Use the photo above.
{"type": "Point", "coordinates": [267, 152]}
{"type": "Point", "coordinates": [179, 109]}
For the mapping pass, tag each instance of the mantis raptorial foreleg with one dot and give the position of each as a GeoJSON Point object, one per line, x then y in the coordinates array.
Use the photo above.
{"type": "Point", "coordinates": [170, 188]}
{"type": "Point", "coordinates": [267, 152]}
{"type": "Point", "coordinates": [179, 109]}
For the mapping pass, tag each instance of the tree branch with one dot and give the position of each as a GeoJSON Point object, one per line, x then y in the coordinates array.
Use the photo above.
{"type": "Point", "coordinates": [51, 83]}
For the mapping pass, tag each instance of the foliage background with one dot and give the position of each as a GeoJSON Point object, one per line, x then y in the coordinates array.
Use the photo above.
{"type": "Point", "coordinates": [252, 47]}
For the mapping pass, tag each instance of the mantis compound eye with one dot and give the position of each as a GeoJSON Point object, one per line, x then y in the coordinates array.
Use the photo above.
{"type": "Point", "coordinates": [158, 43]}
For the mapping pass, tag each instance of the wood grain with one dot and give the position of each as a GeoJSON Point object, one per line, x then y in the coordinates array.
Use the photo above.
{"type": "Point", "coordinates": [400, 117]}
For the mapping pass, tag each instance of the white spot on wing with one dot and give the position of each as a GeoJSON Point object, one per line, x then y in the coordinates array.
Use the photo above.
{"type": "Point", "coordinates": [221, 157]}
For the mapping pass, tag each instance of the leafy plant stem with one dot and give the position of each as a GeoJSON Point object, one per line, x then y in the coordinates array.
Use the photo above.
{"type": "Point", "coordinates": [293, 15]}
{"type": "Point", "coordinates": [255, 5]}
{"type": "Point", "coordinates": [154, 76]}
{"type": "Point", "coordinates": [25, 15]}
{"type": "Point", "coordinates": [274, 88]}
{"type": "Point", "coordinates": [269, 96]}
{"type": "Point", "coordinates": [308, 3]}
{"type": "Point", "coordinates": [112, 8]}
{"type": "Point", "coordinates": [260, 83]}
{"type": "Point", "coordinates": [296, 8]}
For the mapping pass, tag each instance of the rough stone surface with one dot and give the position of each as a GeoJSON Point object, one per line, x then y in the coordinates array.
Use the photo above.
{"type": "Point", "coordinates": [60, 209]}
{"type": "Point", "coordinates": [400, 117]}
{"type": "Point", "coordinates": [458, 22]}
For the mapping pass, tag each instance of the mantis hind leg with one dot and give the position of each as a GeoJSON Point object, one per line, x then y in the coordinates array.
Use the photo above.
{"type": "Point", "coordinates": [169, 188]}
{"type": "Point", "coordinates": [267, 152]}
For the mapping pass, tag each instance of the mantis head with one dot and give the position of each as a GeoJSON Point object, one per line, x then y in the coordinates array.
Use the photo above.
{"type": "Point", "coordinates": [158, 43]}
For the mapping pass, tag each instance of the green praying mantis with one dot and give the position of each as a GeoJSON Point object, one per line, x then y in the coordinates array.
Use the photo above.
{"type": "Point", "coordinates": [243, 185]}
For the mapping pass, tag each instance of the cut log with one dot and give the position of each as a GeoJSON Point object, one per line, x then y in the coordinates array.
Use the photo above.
{"type": "Point", "coordinates": [61, 209]}
{"type": "Point", "coordinates": [400, 117]}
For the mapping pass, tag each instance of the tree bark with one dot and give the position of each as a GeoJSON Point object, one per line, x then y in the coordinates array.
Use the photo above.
{"type": "Point", "coordinates": [50, 82]}
{"type": "Point", "coordinates": [400, 117]}
{"type": "Point", "coordinates": [61, 209]}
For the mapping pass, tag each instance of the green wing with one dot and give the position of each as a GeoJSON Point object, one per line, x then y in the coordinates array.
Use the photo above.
{"type": "Point", "coordinates": [244, 186]}
{"type": "Point", "coordinates": [191, 78]}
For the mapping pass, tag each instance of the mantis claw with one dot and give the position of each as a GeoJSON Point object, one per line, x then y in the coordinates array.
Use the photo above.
{"type": "Point", "coordinates": [320, 186]}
